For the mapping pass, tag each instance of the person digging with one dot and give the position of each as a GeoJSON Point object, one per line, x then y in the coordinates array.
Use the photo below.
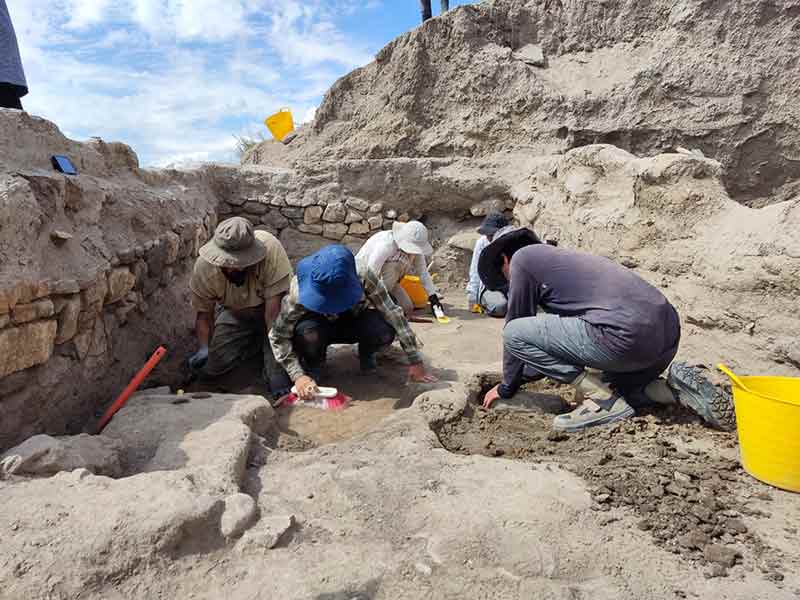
{"type": "Point", "coordinates": [579, 319]}
{"type": "Point", "coordinates": [399, 252]}
{"type": "Point", "coordinates": [333, 301]}
{"type": "Point", "coordinates": [479, 298]}
{"type": "Point", "coordinates": [242, 275]}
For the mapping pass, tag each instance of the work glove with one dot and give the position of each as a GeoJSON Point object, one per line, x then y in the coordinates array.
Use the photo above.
{"type": "Point", "coordinates": [434, 301]}
{"type": "Point", "coordinates": [199, 359]}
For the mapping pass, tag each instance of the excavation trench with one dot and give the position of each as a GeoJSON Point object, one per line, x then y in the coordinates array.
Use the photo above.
{"type": "Point", "coordinates": [663, 470]}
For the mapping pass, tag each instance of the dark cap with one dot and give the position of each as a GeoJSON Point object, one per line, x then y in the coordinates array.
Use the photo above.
{"type": "Point", "coordinates": [492, 224]}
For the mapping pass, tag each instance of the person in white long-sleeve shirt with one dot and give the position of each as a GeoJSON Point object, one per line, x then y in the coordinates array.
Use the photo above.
{"type": "Point", "coordinates": [493, 303]}
{"type": "Point", "coordinates": [399, 252]}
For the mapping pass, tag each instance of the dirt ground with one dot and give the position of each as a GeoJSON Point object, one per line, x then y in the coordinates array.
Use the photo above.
{"type": "Point", "coordinates": [663, 472]}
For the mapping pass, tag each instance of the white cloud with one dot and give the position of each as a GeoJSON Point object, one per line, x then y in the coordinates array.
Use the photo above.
{"type": "Point", "coordinates": [177, 78]}
{"type": "Point", "coordinates": [84, 13]}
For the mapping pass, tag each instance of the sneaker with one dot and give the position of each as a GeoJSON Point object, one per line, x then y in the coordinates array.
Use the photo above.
{"type": "Point", "coordinates": [601, 405]}
{"type": "Point", "coordinates": [696, 391]}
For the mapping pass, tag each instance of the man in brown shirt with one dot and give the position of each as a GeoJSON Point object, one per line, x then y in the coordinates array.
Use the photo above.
{"type": "Point", "coordinates": [240, 276]}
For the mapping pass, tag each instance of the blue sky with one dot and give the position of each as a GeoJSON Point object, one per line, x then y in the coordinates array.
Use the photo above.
{"type": "Point", "coordinates": [177, 79]}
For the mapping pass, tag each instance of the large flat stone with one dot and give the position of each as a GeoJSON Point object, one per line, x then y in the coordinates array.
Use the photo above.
{"type": "Point", "coordinates": [26, 346]}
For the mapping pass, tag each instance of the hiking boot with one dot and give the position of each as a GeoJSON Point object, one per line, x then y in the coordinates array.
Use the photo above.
{"type": "Point", "coordinates": [368, 363]}
{"type": "Point", "coordinates": [696, 391]}
{"type": "Point", "coordinates": [601, 405]}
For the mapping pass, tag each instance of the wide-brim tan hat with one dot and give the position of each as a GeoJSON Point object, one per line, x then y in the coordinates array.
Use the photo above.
{"type": "Point", "coordinates": [234, 245]}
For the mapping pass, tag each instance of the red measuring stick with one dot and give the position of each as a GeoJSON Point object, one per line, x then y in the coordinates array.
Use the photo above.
{"type": "Point", "coordinates": [132, 386]}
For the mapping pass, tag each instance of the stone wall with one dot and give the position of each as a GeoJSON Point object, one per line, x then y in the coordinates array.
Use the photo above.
{"type": "Point", "coordinates": [303, 216]}
{"type": "Point", "coordinates": [93, 274]}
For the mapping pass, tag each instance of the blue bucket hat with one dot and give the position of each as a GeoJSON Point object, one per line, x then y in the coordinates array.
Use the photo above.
{"type": "Point", "coordinates": [328, 281]}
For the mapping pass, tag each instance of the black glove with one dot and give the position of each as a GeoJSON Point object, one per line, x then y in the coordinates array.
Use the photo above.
{"type": "Point", "coordinates": [434, 301]}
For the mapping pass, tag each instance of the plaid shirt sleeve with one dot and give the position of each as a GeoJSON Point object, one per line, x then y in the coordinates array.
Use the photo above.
{"type": "Point", "coordinates": [282, 332]}
{"type": "Point", "coordinates": [379, 297]}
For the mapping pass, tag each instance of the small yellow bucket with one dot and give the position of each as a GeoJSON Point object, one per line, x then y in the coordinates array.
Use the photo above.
{"type": "Point", "coordinates": [280, 124]}
{"type": "Point", "coordinates": [413, 287]}
{"type": "Point", "coordinates": [768, 420]}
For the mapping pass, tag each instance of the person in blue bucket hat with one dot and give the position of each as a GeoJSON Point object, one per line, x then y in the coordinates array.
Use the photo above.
{"type": "Point", "coordinates": [332, 300]}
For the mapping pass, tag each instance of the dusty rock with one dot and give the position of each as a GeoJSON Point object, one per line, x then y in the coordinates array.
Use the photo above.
{"type": "Point", "coordinates": [313, 229]}
{"type": "Point", "coordinates": [695, 539]}
{"type": "Point", "coordinates": [720, 555]}
{"type": "Point", "coordinates": [25, 346]}
{"type": "Point", "coordinates": [360, 228]}
{"type": "Point", "coordinates": [531, 54]}
{"type": "Point", "coordinates": [255, 208]}
{"type": "Point", "coordinates": [266, 534]}
{"type": "Point", "coordinates": [238, 514]}
{"type": "Point", "coordinates": [359, 204]}
{"type": "Point", "coordinates": [68, 308]}
{"type": "Point", "coordinates": [24, 313]}
{"type": "Point", "coordinates": [313, 214]}
{"type": "Point", "coordinates": [464, 241]}
{"type": "Point", "coordinates": [482, 209]}
{"type": "Point", "coordinates": [334, 231]}
{"type": "Point", "coordinates": [352, 217]}
{"type": "Point", "coordinates": [275, 220]}
{"type": "Point", "coordinates": [94, 295]}
{"type": "Point", "coordinates": [172, 242]}
{"type": "Point", "coordinates": [59, 237]}
{"type": "Point", "coordinates": [64, 286]}
{"type": "Point", "coordinates": [375, 222]}
{"type": "Point", "coordinates": [45, 455]}
{"type": "Point", "coordinates": [293, 213]}
{"type": "Point", "coordinates": [376, 208]}
{"type": "Point", "coordinates": [334, 213]}
{"type": "Point", "coordinates": [120, 282]}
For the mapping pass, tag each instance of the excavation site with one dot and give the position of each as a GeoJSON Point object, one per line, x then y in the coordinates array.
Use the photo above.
{"type": "Point", "coordinates": [149, 448]}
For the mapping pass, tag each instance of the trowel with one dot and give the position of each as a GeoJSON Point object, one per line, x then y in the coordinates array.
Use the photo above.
{"type": "Point", "coordinates": [440, 316]}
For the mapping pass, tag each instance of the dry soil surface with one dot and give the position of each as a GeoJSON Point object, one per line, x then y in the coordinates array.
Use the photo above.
{"type": "Point", "coordinates": [411, 492]}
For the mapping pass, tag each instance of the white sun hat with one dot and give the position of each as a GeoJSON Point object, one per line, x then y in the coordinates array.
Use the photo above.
{"type": "Point", "coordinates": [412, 238]}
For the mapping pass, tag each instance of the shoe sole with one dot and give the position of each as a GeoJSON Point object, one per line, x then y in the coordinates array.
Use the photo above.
{"type": "Point", "coordinates": [629, 412]}
{"type": "Point", "coordinates": [697, 393]}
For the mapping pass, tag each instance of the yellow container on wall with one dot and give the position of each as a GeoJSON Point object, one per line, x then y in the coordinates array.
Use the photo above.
{"type": "Point", "coordinates": [280, 124]}
{"type": "Point", "coordinates": [768, 421]}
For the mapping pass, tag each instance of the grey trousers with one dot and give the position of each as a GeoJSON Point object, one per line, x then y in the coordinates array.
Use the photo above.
{"type": "Point", "coordinates": [562, 347]}
{"type": "Point", "coordinates": [237, 339]}
{"type": "Point", "coordinates": [494, 303]}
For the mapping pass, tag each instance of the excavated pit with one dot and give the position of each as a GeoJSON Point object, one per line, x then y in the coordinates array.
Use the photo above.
{"type": "Point", "coordinates": [663, 469]}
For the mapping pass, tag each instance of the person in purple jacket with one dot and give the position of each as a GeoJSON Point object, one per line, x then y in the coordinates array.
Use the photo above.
{"type": "Point", "coordinates": [579, 319]}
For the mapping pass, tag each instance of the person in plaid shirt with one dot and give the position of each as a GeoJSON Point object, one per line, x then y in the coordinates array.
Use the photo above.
{"type": "Point", "coordinates": [333, 301]}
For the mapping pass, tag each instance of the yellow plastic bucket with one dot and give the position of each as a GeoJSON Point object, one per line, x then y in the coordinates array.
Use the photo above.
{"type": "Point", "coordinates": [280, 124]}
{"type": "Point", "coordinates": [413, 287]}
{"type": "Point", "coordinates": [768, 420]}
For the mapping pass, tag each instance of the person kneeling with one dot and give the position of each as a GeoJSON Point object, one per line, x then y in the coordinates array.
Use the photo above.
{"type": "Point", "coordinates": [331, 301]}
{"type": "Point", "coordinates": [238, 281]}
{"type": "Point", "coordinates": [605, 330]}
{"type": "Point", "coordinates": [399, 252]}
{"type": "Point", "coordinates": [479, 298]}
